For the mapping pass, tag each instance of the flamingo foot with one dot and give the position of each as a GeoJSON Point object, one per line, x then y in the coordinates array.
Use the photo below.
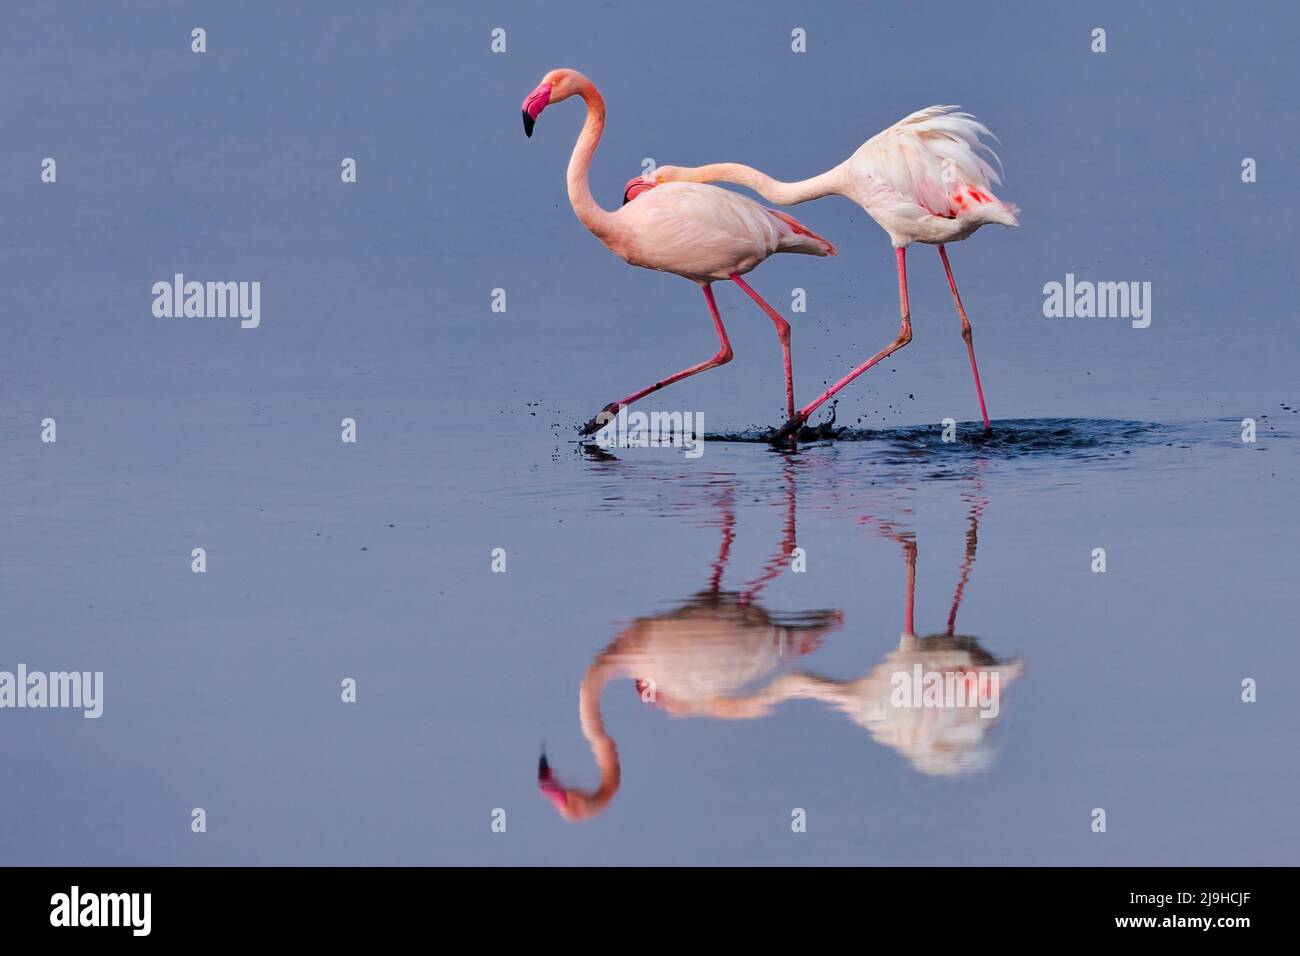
{"type": "Point", "coordinates": [596, 424]}
{"type": "Point", "coordinates": [798, 429]}
{"type": "Point", "coordinates": [790, 430]}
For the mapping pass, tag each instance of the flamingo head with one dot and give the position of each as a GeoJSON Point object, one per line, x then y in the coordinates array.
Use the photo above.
{"type": "Point", "coordinates": [550, 788]}
{"type": "Point", "coordinates": [573, 803]}
{"type": "Point", "coordinates": [669, 174]}
{"type": "Point", "coordinates": [636, 187]}
{"type": "Point", "coordinates": [556, 86]}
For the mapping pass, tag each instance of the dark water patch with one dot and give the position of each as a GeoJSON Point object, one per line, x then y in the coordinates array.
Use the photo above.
{"type": "Point", "coordinates": [1008, 438]}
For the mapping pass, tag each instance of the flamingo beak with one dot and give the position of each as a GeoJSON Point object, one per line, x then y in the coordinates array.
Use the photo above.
{"type": "Point", "coordinates": [549, 787]}
{"type": "Point", "coordinates": [534, 103]}
{"type": "Point", "coordinates": [634, 188]}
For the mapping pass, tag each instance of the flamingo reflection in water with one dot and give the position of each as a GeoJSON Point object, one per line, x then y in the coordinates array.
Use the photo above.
{"type": "Point", "coordinates": [901, 702]}
{"type": "Point", "coordinates": [696, 661]}
{"type": "Point", "coordinates": [688, 661]}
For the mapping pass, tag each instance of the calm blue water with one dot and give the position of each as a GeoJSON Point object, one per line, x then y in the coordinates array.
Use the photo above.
{"type": "Point", "coordinates": [373, 560]}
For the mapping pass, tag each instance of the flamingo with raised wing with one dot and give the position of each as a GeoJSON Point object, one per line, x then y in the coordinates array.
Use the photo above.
{"type": "Point", "coordinates": [924, 179]}
{"type": "Point", "coordinates": [701, 233]}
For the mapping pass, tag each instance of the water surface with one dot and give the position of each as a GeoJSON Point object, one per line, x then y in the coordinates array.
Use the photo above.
{"type": "Point", "coordinates": [1120, 690]}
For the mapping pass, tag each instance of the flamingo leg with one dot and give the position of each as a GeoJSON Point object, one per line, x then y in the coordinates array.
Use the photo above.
{"type": "Point", "coordinates": [972, 542]}
{"type": "Point", "coordinates": [966, 334]}
{"type": "Point", "coordinates": [728, 536]}
{"type": "Point", "coordinates": [722, 358]}
{"type": "Point", "coordinates": [783, 333]}
{"type": "Point", "coordinates": [797, 420]}
{"type": "Point", "coordinates": [779, 561]}
{"type": "Point", "coordinates": [909, 610]}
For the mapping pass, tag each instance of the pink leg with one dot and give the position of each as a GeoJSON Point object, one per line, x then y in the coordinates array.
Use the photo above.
{"type": "Point", "coordinates": [904, 336]}
{"type": "Point", "coordinates": [972, 541]}
{"type": "Point", "coordinates": [783, 333]}
{"type": "Point", "coordinates": [966, 334]}
{"type": "Point", "coordinates": [909, 611]}
{"type": "Point", "coordinates": [728, 536]}
{"type": "Point", "coordinates": [722, 358]}
{"type": "Point", "coordinates": [780, 561]}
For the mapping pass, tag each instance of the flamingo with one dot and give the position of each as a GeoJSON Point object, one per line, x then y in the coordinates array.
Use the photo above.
{"type": "Point", "coordinates": [937, 741]}
{"type": "Point", "coordinates": [687, 661]}
{"type": "Point", "coordinates": [924, 179]}
{"type": "Point", "coordinates": [696, 661]}
{"type": "Point", "coordinates": [701, 233]}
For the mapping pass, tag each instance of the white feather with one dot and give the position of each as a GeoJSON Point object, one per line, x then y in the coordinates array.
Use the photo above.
{"type": "Point", "coordinates": [926, 177]}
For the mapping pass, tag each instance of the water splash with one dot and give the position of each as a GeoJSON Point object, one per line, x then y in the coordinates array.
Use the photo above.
{"type": "Point", "coordinates": [1008, 438]}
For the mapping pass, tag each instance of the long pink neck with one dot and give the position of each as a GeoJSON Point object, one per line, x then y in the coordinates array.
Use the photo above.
{"type": "Point", "coordinates": [783, 194]}
{"type": "Point", "coordinates": [593, 728]}
{"type": "Point", "coordinates": [584, 204]}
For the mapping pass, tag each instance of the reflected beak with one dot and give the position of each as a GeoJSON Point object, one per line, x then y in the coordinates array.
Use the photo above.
{"type": "Point", "coordinates": [534, 103]}
{"type": "Point", "coordinates": [549, 787]}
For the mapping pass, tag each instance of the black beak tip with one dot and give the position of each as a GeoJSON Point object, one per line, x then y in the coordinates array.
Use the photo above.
{"type": "Point", "coordinates": [528, 124]}
{"type": "Point", "coordinates": [543, 767]}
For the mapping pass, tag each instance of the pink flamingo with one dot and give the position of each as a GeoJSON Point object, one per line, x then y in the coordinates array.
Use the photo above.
{"type": "Point", "coordinates": [698, 659]}
{"type": "Point", "coordinates": [687, 661]}
{"type": "Point", "coordinates": [701, 233]}
{"type": "Point", "coordinates": [922, 180]}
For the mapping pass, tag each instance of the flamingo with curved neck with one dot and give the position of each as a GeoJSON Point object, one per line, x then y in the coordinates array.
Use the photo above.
{"type": "Point", "coordinates": [689, 660]}
{"type": "Point", "coordinates": [697, 660]}
{"type": "Point", "coordinates": [922, 180]}
{"type": "Point", "coordinates": [699, 232]}
{"type": "Point", "coordinates": [575, 803]}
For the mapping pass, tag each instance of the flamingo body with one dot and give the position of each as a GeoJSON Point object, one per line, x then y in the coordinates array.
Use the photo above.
{"type": "Point", "coordinates": [924, 179]}
{"type": "Point", "coordinates": [714, 645]}
{"type": "Point", "coordinates": [939, 741]}
{"type": "Point", "coordinates": [704, 233]}
{"type": "Point", "coordinates": [699, 232]}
